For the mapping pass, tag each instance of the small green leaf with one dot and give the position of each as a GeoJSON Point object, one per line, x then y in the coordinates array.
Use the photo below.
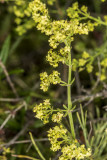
{"type": "Point", "coordinates": [65, 106]}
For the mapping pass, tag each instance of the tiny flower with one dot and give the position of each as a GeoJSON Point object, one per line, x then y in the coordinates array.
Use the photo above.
{"type": "Point", "coordinates": [57, 117]}
{"type": "Point", "coordinates": [54, 135]}
{"type": "Point", "coordinates": [46, 79]}
{"type": "Point", "coordinates": [74, 151]}
{"type": "Point", "coordinates": [43, 111]}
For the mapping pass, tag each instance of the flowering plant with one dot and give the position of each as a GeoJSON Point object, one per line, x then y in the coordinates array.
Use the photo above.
{"type": "Point", "coordinates": [62, 33]}
{"type": "Point", "coordinates": [72, 22]}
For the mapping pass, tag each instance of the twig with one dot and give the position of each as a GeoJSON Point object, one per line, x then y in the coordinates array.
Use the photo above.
{"type": "Point", "coordinates": [10, 99]}
{"type": "Point", "coordinates": [25, 157]}
{"type": "Point", "coordinates": [90, 98]}
{"type": "Point", "coordinates": [12, 114]}
{"type": "Point", "coordinates": [29, 147]}
{"type": "Point", "coordinates": [18, 135]}
{"type": "Point", "coordinates": [87, 103]}
{"type": "Point", "coordinates": [84, 98]}
{"type": "Point", "coordinates": [6, 120]}
{"type": "Point", "coordinates": [8, 78]}
{"type": "Point", "coordinates": [85, 91]}
{"type": "Point", "coordinates": [25, 141]}
{"type": "Point", "coordinates": [104, 85]}
{"type": "Point", "coordinates": [96, 120]}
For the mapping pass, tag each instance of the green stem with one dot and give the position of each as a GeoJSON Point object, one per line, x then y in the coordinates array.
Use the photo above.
{"type": "Point", "coordinates": [55, 110]}
{"type": "Point", "coordinates": [93, 18]}
{"type": "Point", "coordinates": [69, 98]}
{"type": "Point", "coordinates": [85, 136]}
{"type": "Point", "coordinates": [36, 147]}
{"type": "Point", "coordinates": [25, 157]}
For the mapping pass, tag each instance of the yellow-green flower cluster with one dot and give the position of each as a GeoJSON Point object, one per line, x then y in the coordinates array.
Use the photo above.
{"type": "Point", "coordinates": [43, 111]}
{"type": "Point", "coordinates": [46, 79]}
{"type": "Point", "coordinates": [22, 14]}
{"type": "Point", "coordinates": [5, 152]}
{"type": "Point", "coordinates": [72, 151]}
{"type": "Point", "coordinates": [41, 16]}
{"type": "Point", "coordinates": [60, 31]}
{"type": "Point", "coordinates": [63, 31]}
{"type": "Point", "coordinates": [75, 13]}
{"type": "Point", "coordinates": [72, 11]}
{"type": "Point", "coordinates": [57, 117]}
{"type": "Point", "coordinates": [85, 60]}
{"type": "Point", "coordinates": [104, 62]}
{"type": "Point", "coordinates": [91, 25]}
{"type": "Point", "coordinates": [84, 9]}
{"type": "Point", "coordinates": [54, 57]}
{"type": "Point", "coordinates": [70, 148]}
{"type": "Point", "coordinates": [58, 132]}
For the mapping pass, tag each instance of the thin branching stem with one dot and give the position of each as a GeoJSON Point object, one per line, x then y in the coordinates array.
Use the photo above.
{"type": "Point", "coordinates": [69, 98]}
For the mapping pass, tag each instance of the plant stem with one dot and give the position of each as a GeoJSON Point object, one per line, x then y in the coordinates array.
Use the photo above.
{"type": "Point", "coordinates": [25, 157]}
{"type": "Point", "coordinates": [69, 98]}
{"type": "Point", "coordinates": [93, 18]}
{"type": "Point", "coordinates": [36, 147]}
